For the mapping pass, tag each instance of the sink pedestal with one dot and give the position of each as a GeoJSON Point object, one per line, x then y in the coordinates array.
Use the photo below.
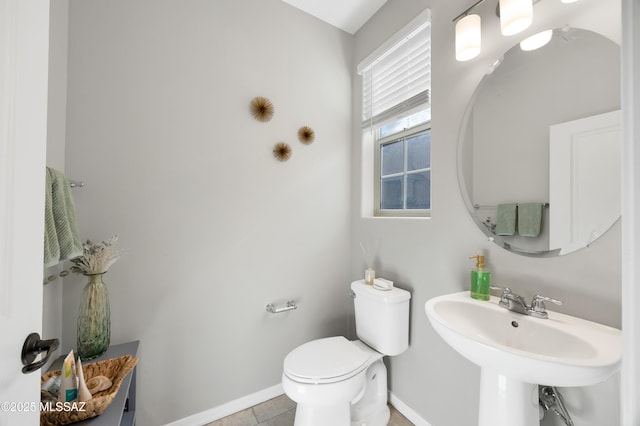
{"type": "Point", "coordinates": [507, 402]}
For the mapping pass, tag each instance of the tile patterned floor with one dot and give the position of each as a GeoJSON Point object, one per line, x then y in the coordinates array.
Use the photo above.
{"type": "Point", "coordinates": [280, 411]}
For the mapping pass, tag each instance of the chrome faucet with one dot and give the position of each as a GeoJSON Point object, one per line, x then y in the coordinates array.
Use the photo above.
{"type": "Point", "coordinates": [513, 302]}
{"type": "Point", "coordinates": [516, 303]}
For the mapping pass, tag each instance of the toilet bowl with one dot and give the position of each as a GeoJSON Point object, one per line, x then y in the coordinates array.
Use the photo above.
{"type": "Point", "coordinates": [337, 382]}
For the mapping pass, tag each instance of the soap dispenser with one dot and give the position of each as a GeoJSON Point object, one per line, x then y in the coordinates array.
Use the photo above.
{"type": "Point", "coordinates": [480, 280]}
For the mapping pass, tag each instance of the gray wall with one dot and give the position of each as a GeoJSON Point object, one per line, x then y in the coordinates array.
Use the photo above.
{"type": "Point", "coordinates": [430, 256]}
{"type": "Point", "coordinates": [213, 226]}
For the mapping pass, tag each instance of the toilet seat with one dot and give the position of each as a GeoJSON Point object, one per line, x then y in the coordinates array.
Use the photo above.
{"type": "Point", "coordinates": [327, 360]}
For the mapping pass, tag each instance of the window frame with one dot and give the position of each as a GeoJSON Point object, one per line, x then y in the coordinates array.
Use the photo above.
{"type": "Point", "coordinates": [377, 175]}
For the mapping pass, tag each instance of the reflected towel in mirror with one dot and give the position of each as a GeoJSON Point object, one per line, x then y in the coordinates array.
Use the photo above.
{"type": "Point", "coordinates": [529, 219]}
{"type": "Point", "coordinates": [506, 219]}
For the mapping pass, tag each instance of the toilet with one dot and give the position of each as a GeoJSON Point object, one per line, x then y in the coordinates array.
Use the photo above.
{"type": "Point", "coordinates": [339, 382]}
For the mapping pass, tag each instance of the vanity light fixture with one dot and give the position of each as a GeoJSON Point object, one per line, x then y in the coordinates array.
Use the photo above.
{"type": "Point", "coordinates": [515, 16]}
{"type": "Point", "coordinates": [468, 37]}
{"type": "Point", "coordinates": [468, 34]}
{"type": "Point", "coordinates": [536, 41]}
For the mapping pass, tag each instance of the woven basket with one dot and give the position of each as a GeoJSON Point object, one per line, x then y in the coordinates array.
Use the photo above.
{"type": "Point", "coordinates": [115, 369]}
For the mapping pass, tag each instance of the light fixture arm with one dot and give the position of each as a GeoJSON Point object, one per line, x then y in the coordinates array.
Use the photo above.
{"type": "Point", "coordinates": [466, 12]}
{"type": "Point", "coordinates": [498, 7]}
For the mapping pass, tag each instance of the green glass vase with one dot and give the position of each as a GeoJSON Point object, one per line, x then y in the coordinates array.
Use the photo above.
{"type": "Point", "coordinates": [94, 319]}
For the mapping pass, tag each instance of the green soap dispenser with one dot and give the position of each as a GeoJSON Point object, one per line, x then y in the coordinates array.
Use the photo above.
{"type": "Point", "coordinates": [480, 280]}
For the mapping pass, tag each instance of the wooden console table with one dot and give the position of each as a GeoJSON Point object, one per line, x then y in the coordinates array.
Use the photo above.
{"type": "Point", "coordinates": [122, 410]}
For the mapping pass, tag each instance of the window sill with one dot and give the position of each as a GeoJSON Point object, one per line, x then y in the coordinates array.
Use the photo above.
{"type": "Point", "coordinates": [403, 214]}
{"type": "Point", "coordinates": [398, 217]}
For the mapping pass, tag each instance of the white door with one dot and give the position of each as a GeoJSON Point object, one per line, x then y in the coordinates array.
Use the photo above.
{"type": "Point", "coordinates": [24, 39]}
{"type": "Point", "coordinates": [584, 179]}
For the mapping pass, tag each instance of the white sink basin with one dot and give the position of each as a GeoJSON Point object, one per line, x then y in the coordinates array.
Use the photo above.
{"type": "Point", "coordinates": [517, 351]}
{"type": "Point", "coordinates": [559, 351]}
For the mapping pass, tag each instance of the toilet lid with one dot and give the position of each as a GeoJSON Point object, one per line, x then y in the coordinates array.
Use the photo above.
{"type": "Point", "coordinates": [325, 360]}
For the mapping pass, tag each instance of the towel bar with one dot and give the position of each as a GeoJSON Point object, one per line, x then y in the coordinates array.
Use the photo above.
{"type": "Point", "coordinates": [479, 206]}
{"type": "Point", "coordinates": [76, 183]}
{"type": "Point", "coordinates": [272, 309]}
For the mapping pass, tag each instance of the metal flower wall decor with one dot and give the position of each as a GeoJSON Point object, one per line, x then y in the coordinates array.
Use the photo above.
{"type": "Point", "coordinates": [262, 108]}
{"type": "Point", "coordinates": [306, 135]}
{"type": "Point", "coordinates": [282, 151]}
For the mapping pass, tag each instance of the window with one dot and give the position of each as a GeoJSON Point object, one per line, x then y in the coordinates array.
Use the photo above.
{"type": "Point", "coordinates": [403, 173]}
{"type": "Point", "coordinates": [396, 82]}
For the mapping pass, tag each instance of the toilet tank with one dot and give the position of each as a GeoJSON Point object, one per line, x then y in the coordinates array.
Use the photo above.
{"type": "Point", "coordinates": [382, 317]}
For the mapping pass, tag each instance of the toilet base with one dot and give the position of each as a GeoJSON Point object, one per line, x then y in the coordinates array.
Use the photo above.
{"type": "Point", "coordinates": [338, 414]}
{"type": "Point", "coordinates": [371, 408]}
{"type": "Point", "coordinates": [380, 418]}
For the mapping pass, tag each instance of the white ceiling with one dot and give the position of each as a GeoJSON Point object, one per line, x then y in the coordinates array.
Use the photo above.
{"type": "Point", "coordinates": [348, 15]}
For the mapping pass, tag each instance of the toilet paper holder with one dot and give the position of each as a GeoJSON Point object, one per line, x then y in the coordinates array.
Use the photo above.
{"type": "Point", "coordinates": [272, 309]}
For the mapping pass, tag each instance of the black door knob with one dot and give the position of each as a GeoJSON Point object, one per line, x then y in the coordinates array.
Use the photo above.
{"type": "Point", "coordinates": [33, 346]}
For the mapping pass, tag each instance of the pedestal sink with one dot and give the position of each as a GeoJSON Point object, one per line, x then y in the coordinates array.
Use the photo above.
{"type": "Point", "coordinates": [517, 352]}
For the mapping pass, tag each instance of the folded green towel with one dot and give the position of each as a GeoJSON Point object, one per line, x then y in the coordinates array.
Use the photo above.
{"type": "Point", "coordinates": [506, 219]}
{"type": "Point", "coordinates": [61, 237]}
{"type": "Point", "coordinates": [529, 219]}
{"type": "Point", "coordinates": [51, 246]}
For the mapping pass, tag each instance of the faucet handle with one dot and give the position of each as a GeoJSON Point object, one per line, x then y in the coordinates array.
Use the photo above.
{"type": "Point", "coordinates": [505, 290]}
{"type": "Point", "coordinates": [537, 305]}
{"type": "Point", "coordinates": [539, 300]}
{"type": "Point", "coordinates": [503, 297]}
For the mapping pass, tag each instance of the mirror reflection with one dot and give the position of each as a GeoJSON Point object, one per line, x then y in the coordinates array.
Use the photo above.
{"type": "Point", "coordinates": [539, 149]}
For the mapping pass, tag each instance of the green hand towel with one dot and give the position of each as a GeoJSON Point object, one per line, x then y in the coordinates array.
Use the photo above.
{"type": "Point", "coordinates": [506, 219]}
{"type": "Point", "coordinates": [61, 237]}
{"type": "Point", "coordinates": [529, 219]}
{"type": "Point", "coordinates": [51, 246]}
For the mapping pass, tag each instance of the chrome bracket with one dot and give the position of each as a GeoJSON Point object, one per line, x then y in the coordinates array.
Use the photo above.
{"type": "Point", "coordinates": [272, 309]}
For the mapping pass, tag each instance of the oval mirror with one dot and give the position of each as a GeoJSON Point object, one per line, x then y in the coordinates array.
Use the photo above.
{"type": "Point", "coordinates": [539, 148]}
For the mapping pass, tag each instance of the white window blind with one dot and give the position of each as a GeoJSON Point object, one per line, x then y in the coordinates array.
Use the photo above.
{"type": "Point", "coordinates": [396, 78]}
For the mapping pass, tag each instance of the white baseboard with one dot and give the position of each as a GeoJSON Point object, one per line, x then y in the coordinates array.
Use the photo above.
{"type": "Point", "coordinates": [245, 402]}
{"type": "Point", "coordinates": [407, 411]}
{"type": "Point", "coordinates": [229, 408]}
